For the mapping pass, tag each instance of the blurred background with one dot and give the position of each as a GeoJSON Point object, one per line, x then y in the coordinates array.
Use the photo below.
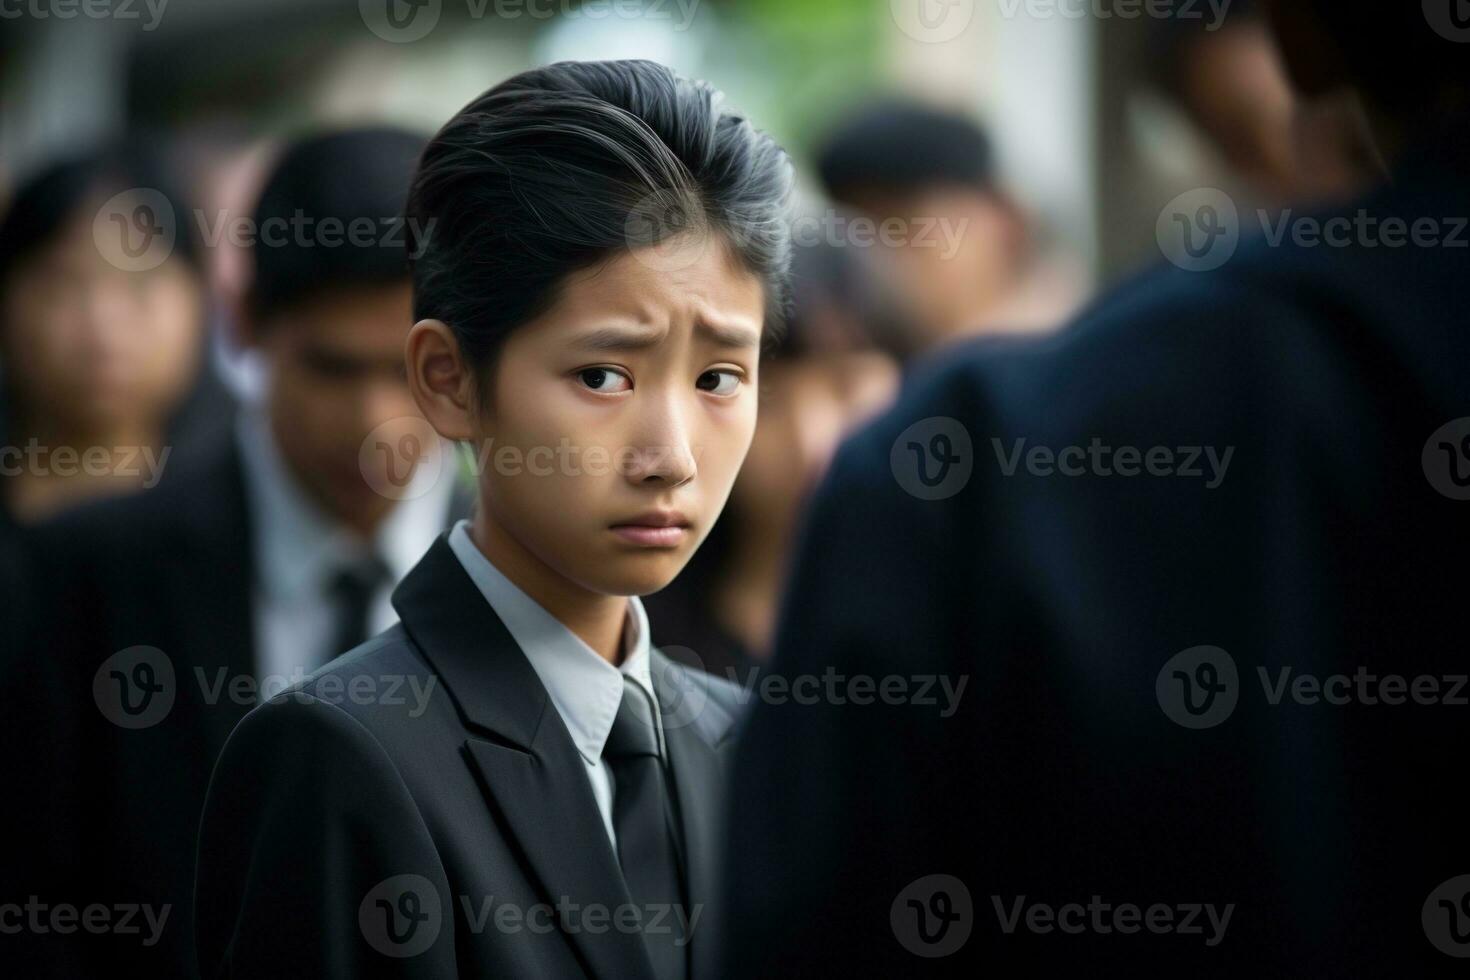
{"type": "Point", "coordinates": [1033, 144]}
{"type": "Point", "coordinates": [1098, 112]}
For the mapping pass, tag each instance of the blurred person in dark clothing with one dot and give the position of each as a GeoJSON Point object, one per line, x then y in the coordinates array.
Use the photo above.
{"type": "Point", "coordinates": [824, 378]}
{"type": "Point", "coordinates": [1198, 564]}
{"type": "Point", "coordinates": [956, 255]}
{"type": "Point", "coordinates": [101, 333]}
{"type": "Point", "coordinates": [163, 617]}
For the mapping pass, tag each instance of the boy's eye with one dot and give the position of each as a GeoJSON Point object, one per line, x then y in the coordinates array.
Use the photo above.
{"type": "Point", "coordinates": [605, 379]}
{"type": "Point", "coordinates": [719, 382]}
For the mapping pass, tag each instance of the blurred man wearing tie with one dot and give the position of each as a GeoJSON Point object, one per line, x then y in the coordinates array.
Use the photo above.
{"type": "Point", "coordinates": [165, 617]}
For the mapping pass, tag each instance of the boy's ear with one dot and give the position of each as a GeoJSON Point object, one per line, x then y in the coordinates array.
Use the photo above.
{"type": "Point", "coordinates": [441, 380]}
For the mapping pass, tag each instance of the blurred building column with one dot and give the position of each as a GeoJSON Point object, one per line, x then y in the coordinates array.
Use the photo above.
{"type": "Point", "coordinates": [63, 88]}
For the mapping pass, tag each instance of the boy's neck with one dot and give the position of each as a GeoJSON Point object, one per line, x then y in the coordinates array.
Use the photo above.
{"type": "Point", "coordinates": [596, 618]}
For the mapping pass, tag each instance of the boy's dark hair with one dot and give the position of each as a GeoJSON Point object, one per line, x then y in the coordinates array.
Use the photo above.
{"type": "Point", "coordinates": [560, 168]}
{"type": "Point", "coordinates": [903, 147]}
{"type": "Point", "coordinates": [57, 193]}
{"type": "Point", "coordinates": [320, 190]}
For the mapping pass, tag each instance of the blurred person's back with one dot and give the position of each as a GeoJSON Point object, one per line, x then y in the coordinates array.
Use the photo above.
{"type": "Point", "coordinates": [1199, 574]}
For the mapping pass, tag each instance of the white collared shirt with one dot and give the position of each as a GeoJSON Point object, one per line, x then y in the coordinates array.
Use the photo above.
{"type": "Point", "coordinates": [583, 686]}
{"type": "Point", "coordinates": [298, 550]}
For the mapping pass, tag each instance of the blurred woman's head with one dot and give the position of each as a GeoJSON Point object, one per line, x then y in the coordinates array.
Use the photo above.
{"type": "Point", "coordinates": [829, 374]}
{"type": "Point", "coordinates": [101, 300]}
{"type": "Point", "coordinates": [599, 253]}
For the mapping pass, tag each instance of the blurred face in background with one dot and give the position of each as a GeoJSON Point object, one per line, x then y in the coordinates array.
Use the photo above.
{"type": "Point", "coordinates": [93, 351]}
{"type": "Point", "coordinates": [335, 362]}
{"type": "Point", "coordinates": [959, 257]}
{"type": "Point", "coordinates": [808, 404]}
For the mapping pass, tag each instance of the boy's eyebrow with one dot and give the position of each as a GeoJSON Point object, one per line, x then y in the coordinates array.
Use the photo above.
{"type": "Point", "coordinates": [627, 339]}
{"type": "Point", "coordinates": [724, 336]}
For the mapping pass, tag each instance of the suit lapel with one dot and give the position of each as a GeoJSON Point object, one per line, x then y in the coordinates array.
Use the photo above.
{"type": "Point", "coordinates": [697, 758]}
{"type": "Point", "coordinates": [530, 771]}
{"type": "Point", "coordinates": [547, 803]}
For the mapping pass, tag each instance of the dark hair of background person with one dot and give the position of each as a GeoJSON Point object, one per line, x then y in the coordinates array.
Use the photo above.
{"type": "Point", "coordinates": [902, 146]}
{"type": "Point", "coordinates": [317, 192]}
{"type": "Point", "coordinates": [47, 201]}
{"type": "Point", "coordinates": [562, 167]}
{"type": "Point", "coordinates": [1394, 54]}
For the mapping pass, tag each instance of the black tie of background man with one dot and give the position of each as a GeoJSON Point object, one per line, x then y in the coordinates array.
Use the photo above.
{"type": "Point", "coordinates": [351, 591]}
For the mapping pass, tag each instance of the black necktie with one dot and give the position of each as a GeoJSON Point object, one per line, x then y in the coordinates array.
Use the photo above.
{"type": "Point", "coordinates": [351, 591]}
{"type": "Point", "coordinates": [642, 822]}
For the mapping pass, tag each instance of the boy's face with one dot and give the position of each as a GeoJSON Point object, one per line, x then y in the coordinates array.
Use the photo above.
{"type": "Point", "coordinates": [634, 393]}
{"type": "Point", "coordinates": [337, 374]}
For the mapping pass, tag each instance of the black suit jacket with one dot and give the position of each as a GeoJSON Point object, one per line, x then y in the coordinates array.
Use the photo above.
{"type": "Point", "coordinates": [109, 813]}
{"type": "Point", "coordinates": [1060, 600]}
{"type": "Point", "coordinates": [370, 836]}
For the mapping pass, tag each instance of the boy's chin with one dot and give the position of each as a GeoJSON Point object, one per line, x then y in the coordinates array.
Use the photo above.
{"type": "Point", "coordinates": [642, 574]}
